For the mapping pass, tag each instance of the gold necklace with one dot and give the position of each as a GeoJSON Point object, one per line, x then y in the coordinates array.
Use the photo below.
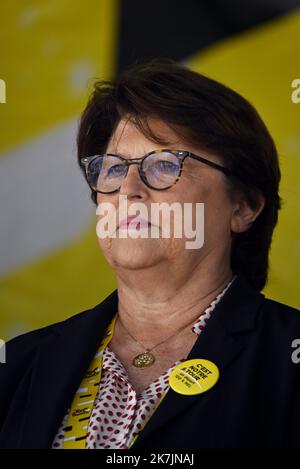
{"type": "Point", "coordinates": [146, 358]}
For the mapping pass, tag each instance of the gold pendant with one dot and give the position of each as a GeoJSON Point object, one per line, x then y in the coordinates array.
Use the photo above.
{"type": "Point", "coordinates": [143, 360]}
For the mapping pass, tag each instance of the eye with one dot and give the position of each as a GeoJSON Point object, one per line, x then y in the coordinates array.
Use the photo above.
{"type": "Point", "coordinates": [116, 170]}
{"type": "Point", "coordinates": [165, 166]}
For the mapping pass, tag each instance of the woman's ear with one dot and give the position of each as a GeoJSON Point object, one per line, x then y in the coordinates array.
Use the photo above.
{"type": "Point", "coordinates": [244, 214]}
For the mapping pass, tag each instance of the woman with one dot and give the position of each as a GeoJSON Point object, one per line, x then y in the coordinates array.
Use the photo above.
{"type": "Point", "coordinates": [120, 375]}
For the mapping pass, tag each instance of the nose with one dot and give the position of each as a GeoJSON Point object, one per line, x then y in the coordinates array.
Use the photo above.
{"type": "Point", "coordinates": [132, 185]}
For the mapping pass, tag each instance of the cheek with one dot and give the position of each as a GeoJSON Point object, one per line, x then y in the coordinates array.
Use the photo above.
{"type": "Point", "coordinates": [105, 245]}
{"type": "Point", "coordinates": [104, 241]}
{"type": "Point", "coordinates": [218, 209]}
{"type": "Point", "coordinates": [218, 218]}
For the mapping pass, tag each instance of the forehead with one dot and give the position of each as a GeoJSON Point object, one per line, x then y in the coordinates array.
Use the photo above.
{"type": "Point", "coordinates": [127, 137]}
{"type": "Point", "coordinates": [128, 141]}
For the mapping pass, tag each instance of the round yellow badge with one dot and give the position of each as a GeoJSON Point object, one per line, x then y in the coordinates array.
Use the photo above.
{"type": "Point", "coordinates": [194, 376]}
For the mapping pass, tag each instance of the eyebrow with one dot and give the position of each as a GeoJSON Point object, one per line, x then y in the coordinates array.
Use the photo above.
{"type": "Point", "coordinates": [117, 153]}
{"type": "Point", "coordinates": [167, 147]}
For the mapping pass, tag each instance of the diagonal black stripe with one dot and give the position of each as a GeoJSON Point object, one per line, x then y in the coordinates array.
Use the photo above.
{"type": "Point", "coordinates": [80, 438]}
{"type": "Point", "coordinates": [177, 29]}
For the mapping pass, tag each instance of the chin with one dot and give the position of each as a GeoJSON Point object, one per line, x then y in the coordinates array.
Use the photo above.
{"type": "Point", "coordinates": [133, 253]}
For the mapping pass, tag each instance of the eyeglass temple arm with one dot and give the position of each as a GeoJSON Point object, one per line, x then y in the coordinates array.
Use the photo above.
{"type": "Point", "coordinates": [211, 163]}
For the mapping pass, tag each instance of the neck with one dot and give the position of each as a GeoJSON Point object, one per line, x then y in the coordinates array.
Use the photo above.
{"type": "Point", "coordinates": [154, 303]}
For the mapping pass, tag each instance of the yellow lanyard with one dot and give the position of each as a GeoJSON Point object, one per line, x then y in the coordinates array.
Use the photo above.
{"type": "Point", "coordinates": [83, 402]}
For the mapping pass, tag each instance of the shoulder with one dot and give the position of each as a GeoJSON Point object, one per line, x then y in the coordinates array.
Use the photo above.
{"type": "Point", "coordinates": [274, 305]}
{"type": "Point", "coordinates": [80, 331]}
{"type": "Point", "coordinates": [273, 326]}
{"type": "Point", "coordinates": [85, 320]}
{"type": "Point", "coordinates": [34, 337]}
{"type": "Point", "coordinates": [281, 314]}
{"type": "Point", "coordinates": [21, 351]}
{"type": "Point", "coordinates": [243, 296]}
{"type": "Point", "coordinates": [277, 337]}
{"type": "Point", "coordinates": [280, 323]}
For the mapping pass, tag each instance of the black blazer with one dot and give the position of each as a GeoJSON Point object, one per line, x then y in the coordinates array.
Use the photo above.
{"type": "Point", "coordinates": [255, 403]}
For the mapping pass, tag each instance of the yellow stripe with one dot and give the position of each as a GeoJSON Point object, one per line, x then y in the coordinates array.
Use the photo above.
{"type": "Point", "coordinates": [50, 52]}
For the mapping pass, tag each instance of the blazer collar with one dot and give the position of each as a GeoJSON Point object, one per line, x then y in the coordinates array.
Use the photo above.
{"type": "Point", "coordinates": [64, 356]}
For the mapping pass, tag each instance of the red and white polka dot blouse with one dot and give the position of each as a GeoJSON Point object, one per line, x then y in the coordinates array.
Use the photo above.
{"type": "Point", "coordinates": [119, 414]}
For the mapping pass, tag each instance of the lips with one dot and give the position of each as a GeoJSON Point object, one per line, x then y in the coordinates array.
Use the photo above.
{"type": "Point", "coordinates": [134, 222]}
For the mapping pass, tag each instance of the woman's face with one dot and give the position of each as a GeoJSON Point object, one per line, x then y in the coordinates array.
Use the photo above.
{"type": "Point", "coordinates": [199, 183]}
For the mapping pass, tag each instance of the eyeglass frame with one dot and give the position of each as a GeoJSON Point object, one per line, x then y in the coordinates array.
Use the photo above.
{"type": "Point", "coordinates": [180, 154]}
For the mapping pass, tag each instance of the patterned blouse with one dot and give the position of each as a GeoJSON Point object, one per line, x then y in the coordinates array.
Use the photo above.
{"type": "Point", "coordinates": [119, 413]}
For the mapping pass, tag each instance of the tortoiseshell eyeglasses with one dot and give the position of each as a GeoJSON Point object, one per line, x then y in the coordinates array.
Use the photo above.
{"type": "Point", "coordinates": [158, 169]}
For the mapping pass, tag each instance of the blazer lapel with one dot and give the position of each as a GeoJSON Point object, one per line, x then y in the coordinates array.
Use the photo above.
{"type": "Point", "coordinates": [220, 342]}
{"type": "Point", "coordinates": [60, 364]}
